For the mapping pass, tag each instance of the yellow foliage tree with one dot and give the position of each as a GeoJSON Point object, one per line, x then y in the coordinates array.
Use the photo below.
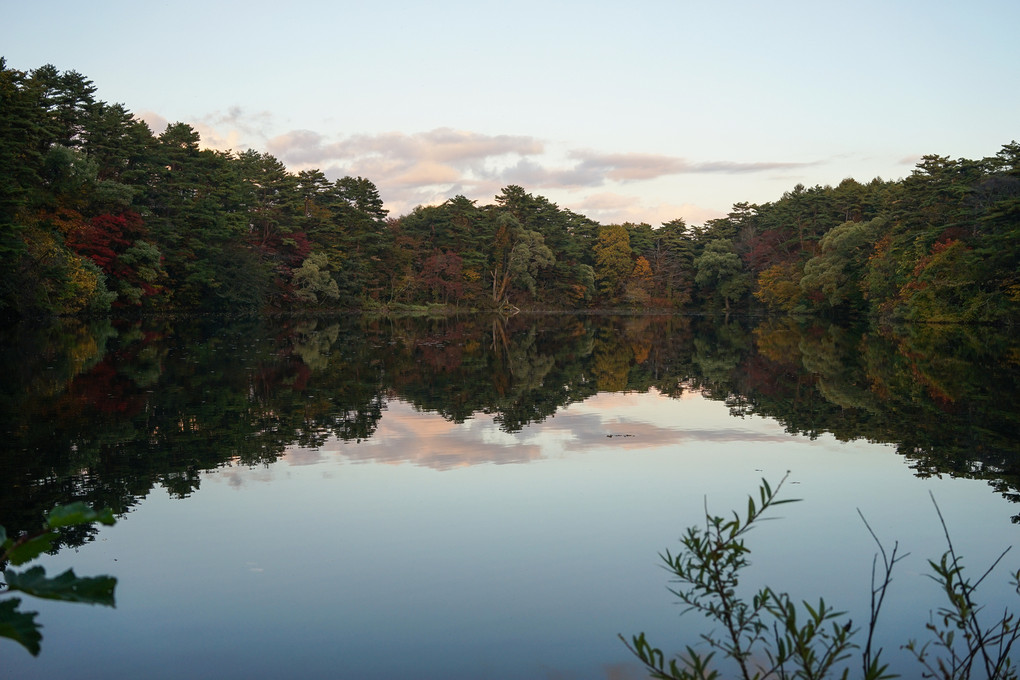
{"type": "Point", "coordinates": [779, 286]}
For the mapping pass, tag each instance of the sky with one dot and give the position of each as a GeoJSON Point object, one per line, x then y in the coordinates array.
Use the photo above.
{"type": "Point", "coordinates": [643, 111]}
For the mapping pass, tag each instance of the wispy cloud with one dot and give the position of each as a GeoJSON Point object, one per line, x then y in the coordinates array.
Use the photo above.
{"type": "Point", "coordinates": [459, 150]}
{"type": "Point", "coordinates": [631, 167]}
{"type": "Point", "coordinates": [251, 124]}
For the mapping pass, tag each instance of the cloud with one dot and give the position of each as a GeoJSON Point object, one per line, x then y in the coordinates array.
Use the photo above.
{"type": "Point", "coordinates": [623, 167]}
{"type": "Point", "coordinates": [587, 169]}
{"type": "Point", "coordinates": [445, 155]}
{"type": "Point", "coordinates": [213, 138]}
{"type": "Point", "coordinates": [446, 144]}
{"type": "Point", "coordinates": [410, 169]}
{"type": "Point", "coordinates": [457, 148]}
{"type": "Point", "coordinates": [428, 173]}
{"type": "Point", "coordinates": [630, 167]}
{"type": "Point", "coordinates": [613, 208]}
{"type": "Point", "coordinates": [529, 173]}
{"type": "Point", "coordinates": [234, 129]}
{"type": "Point", "coordinates": [156, 122]}
{"type": "Point", "coordinates": [236, 118]}
{"type": "Point", "coordinates": [299, 147]}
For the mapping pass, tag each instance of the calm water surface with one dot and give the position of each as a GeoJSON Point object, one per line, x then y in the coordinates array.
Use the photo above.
{"type": "Point", "coordinates": [297, 502]}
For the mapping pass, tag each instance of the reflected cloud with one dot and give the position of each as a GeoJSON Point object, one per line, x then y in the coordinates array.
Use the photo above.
{"type": "Point", "coordinates": [299, 455]}
{"type": "Point", "coordinates": [238, 476]}
{"type": "Point", "coordinates": [408, 436]}
{"type": "Point", "coordinates": [405, 435]}
{"type": "Point", "coordinates": [591, 431]}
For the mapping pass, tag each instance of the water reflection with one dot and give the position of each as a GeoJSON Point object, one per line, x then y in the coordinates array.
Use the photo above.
{"type": "Point", "coordinates": [104, 413]}
{"type": "Point", "coordinates": [605, 421]}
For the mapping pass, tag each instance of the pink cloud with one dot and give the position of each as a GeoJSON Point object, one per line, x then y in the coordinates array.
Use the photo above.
{"type": "Point", "coordinates": [156, 122]}
{"type": "Point", "coordinates": [612, 208]}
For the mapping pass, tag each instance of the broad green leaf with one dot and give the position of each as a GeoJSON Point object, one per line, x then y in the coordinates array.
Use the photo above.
{"type": "Point", "coordinates": [3, 536]}
{"type": "Point", "coordinates": [78, 513]}
{"type": "Point", "coordinates": [20, 553]}
{"type": "Point", "coordinates": [67, 587]}
{"type": "Point", "coordinates": [19, 626]}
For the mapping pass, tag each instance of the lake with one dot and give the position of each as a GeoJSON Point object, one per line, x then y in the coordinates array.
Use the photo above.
{"type": "Point", "coordinates": [473, 497]}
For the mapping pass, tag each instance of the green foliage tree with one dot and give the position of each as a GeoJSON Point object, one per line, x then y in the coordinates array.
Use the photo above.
{"type": "Point", "coordinates": [312, 281]}
{"type": "Point", "coordinates": [518, 257]}
{"type": "Point", "coordinates": [273, 201]}
{"type": "Point", "coordinates": [720, 273]}
{"type": "Point", "coordinates": [562, 232]}
{"type": "Point", "coordinates": [839, 268]}
{"type": "Point", "coordinates": [528, 258]}
{"type": "Point", "coordinates": [362, 236]}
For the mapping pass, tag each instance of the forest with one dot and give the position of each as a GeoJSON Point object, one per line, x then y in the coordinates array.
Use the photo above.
{"type": "Point", "coordinates": [98, 215]}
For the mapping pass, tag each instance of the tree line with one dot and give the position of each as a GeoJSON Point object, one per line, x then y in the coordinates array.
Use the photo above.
{"type": "Point", "coordinates": [98, 214]}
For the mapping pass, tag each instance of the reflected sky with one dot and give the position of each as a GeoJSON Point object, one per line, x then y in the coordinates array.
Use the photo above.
{"type": "Point", "coordinates": [605, 421]}
{"type": "Point", "coordinates": [457, 550]}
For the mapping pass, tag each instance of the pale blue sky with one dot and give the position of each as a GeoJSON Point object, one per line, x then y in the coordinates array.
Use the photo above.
{"type": "Point", "coordinates": [642, 111]}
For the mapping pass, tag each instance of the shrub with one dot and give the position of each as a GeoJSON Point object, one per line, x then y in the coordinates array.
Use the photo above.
{"type": "Point", "coordinates": [813, 641]}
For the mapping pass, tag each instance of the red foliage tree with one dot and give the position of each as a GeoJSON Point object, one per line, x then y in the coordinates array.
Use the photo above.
{"type": "Point", "coordinates": [105, 239]}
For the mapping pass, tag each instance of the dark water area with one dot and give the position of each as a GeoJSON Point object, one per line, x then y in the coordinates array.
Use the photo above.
{"type": "Point", "coordinates": [424, 497]}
